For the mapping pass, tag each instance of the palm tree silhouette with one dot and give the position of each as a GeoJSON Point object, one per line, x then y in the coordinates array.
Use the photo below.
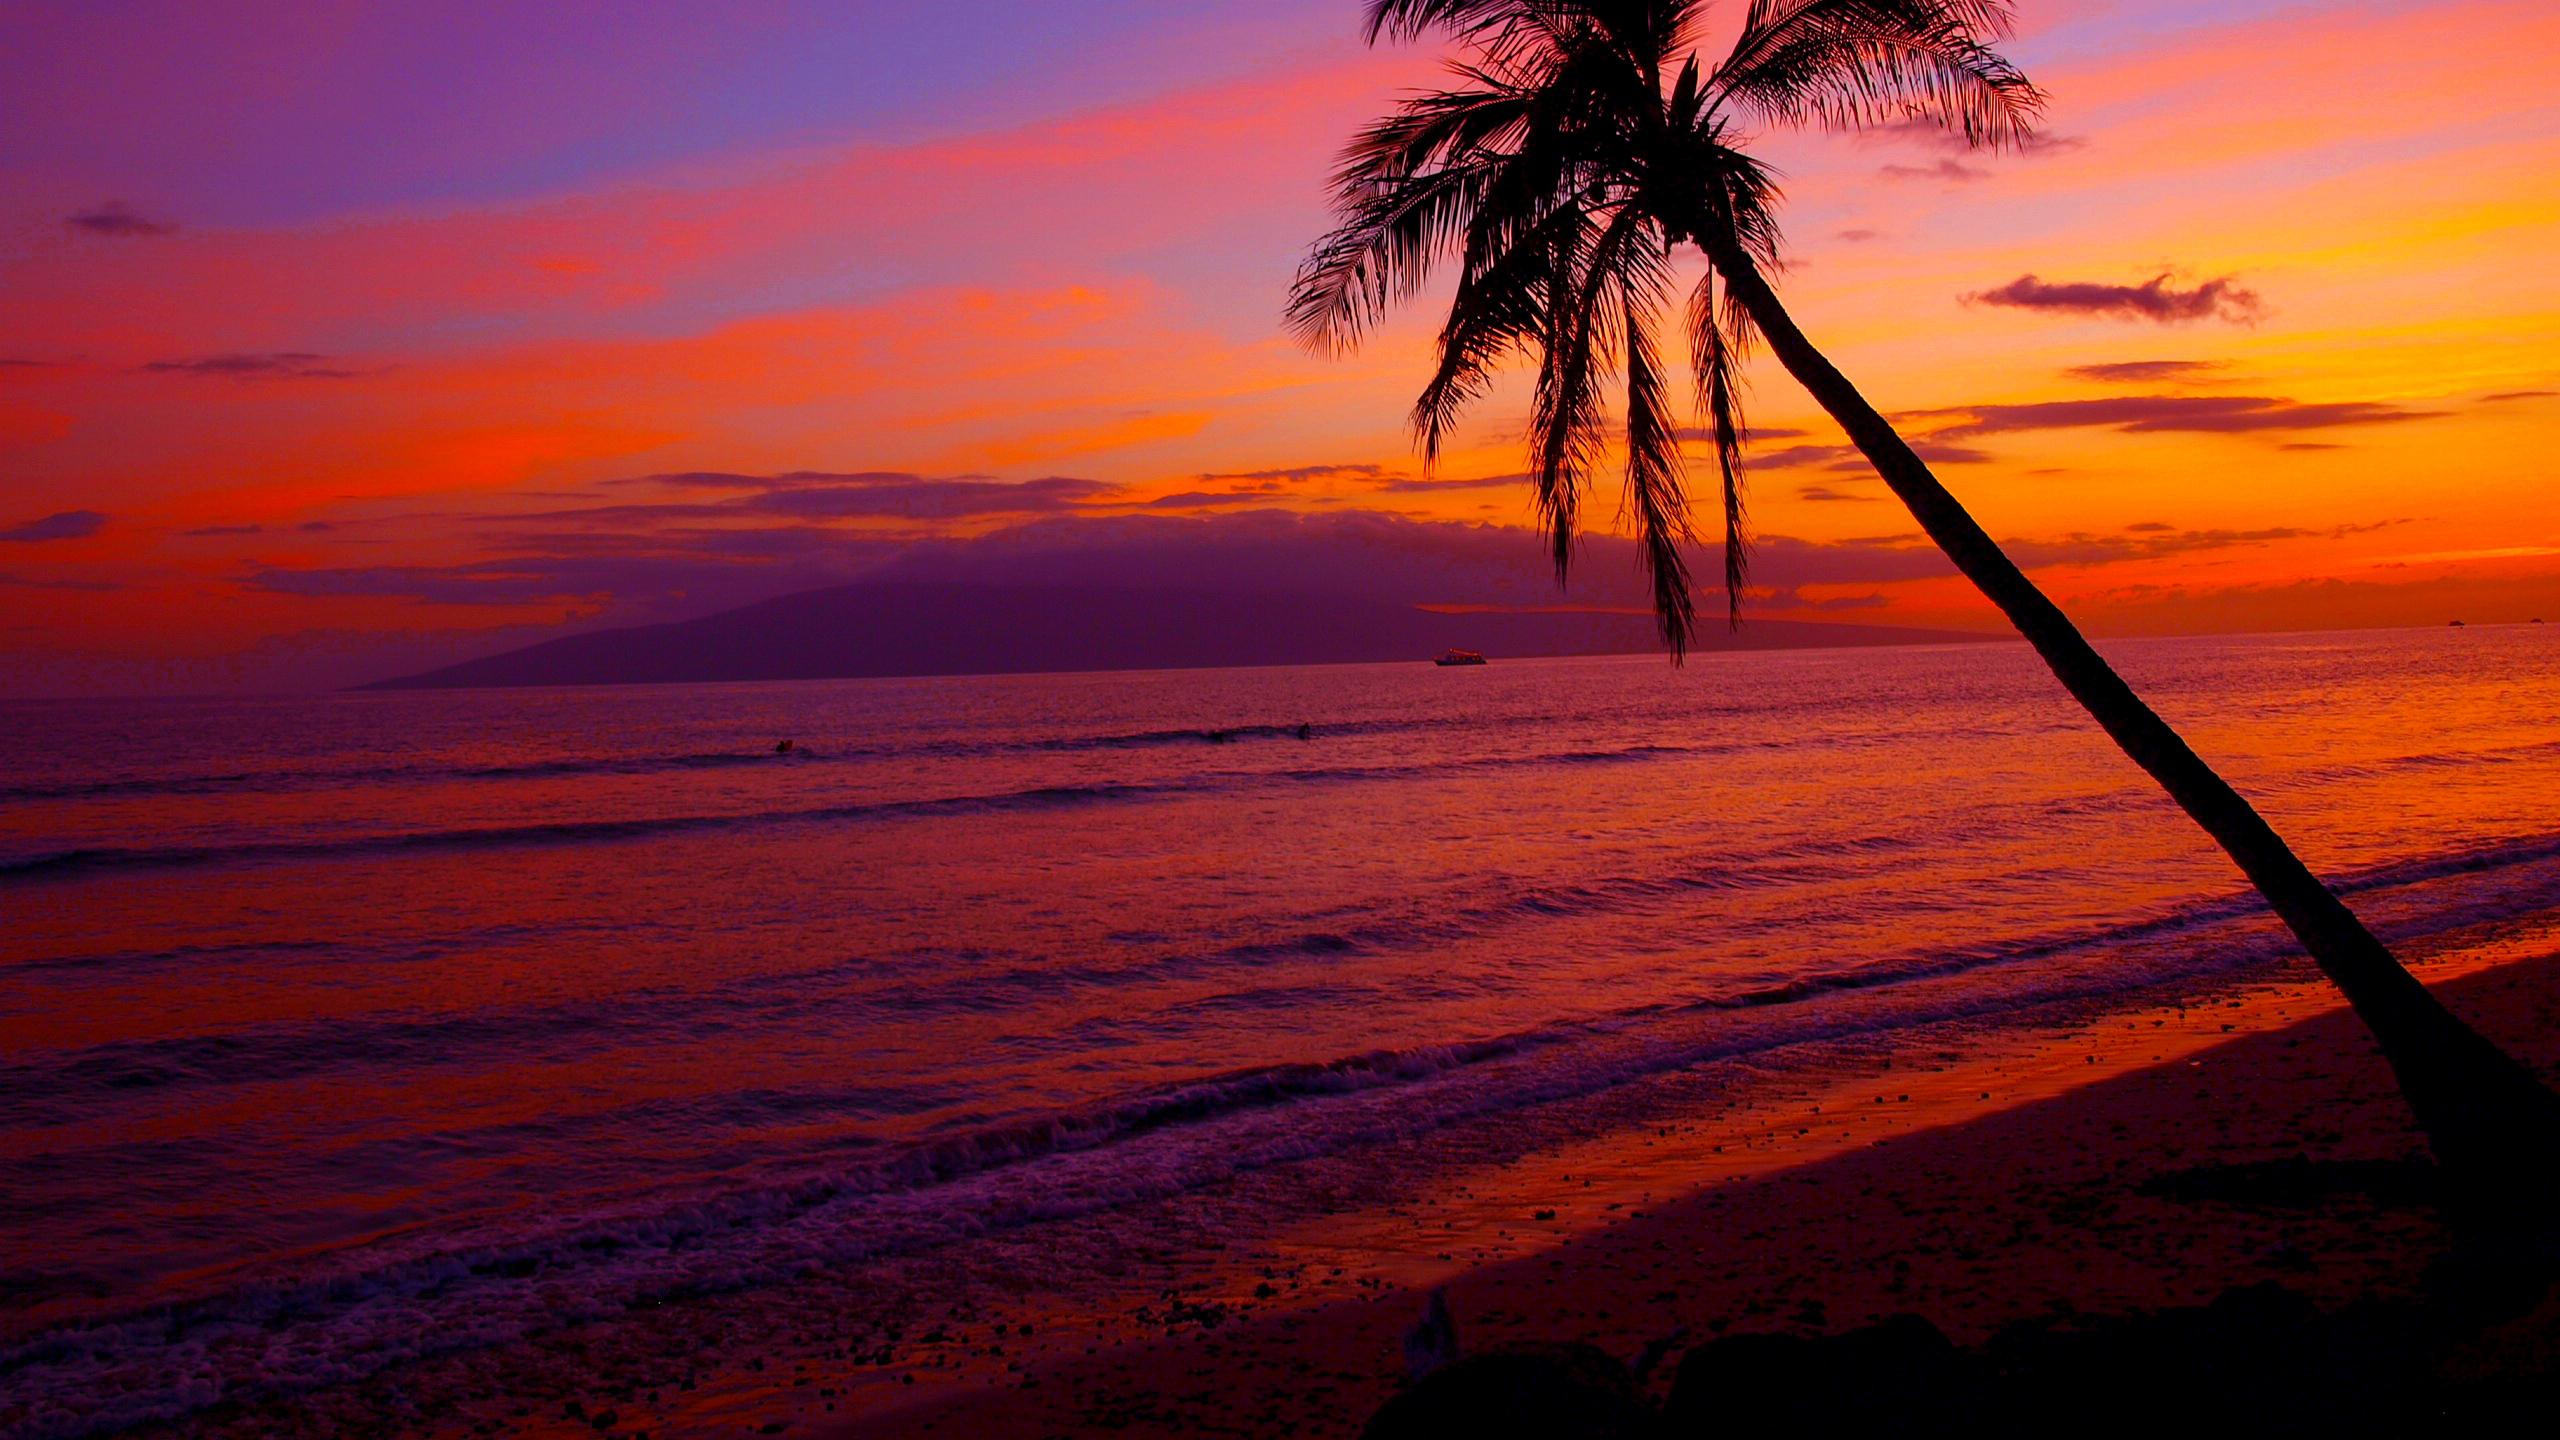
{"type": "Point", "coordinates": [1583, 142]}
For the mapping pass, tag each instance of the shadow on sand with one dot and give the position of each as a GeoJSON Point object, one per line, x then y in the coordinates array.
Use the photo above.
{"type": "Point", "coordinates": [2477, 1351]}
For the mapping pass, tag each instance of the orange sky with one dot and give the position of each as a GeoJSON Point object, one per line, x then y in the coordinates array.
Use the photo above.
{"type": "Point", "coordinates": [283, 424]}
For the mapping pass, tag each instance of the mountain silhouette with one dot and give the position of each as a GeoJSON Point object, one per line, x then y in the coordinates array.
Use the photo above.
{"type": "Point", "coordinates": [903, 628]}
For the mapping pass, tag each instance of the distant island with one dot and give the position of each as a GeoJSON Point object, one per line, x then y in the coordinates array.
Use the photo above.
{"type": "Point", "coordinates": [901, 628]}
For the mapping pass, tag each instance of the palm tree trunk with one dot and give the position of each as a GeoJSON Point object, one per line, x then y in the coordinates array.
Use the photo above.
{"type": "Point", "coordinates": [2494, 1127]}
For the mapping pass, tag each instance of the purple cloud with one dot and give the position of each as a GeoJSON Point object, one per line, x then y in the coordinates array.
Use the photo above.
{"type": "Point", "coordinates": [61, 525]}
{"type": "Point", "coordinates": [1953, 172]}
{"type": "Point", "coordinates": [786, 480]}
{"type": "Point", "coordinates": [924, 499]}
{"type": "Point", "coordinates": [820, 495]}
{"type": "Point", "coordinates": [2144, 371]}
{"type": "Point", "coordinates": [1923, 131]}
{"type": "Point", "coordinates": [120, 220]}
{"type": "Point", "coordinates": [2154, 300]}
{"type": "Point", "coordinates": [1299, 474]}
{"type": "Point", "coordinates": [1701, 435]}
{"type": "Point", "coordinates": [1208, 499]}
{"type": "Point", "coordinates": [1849, 458]}
{"type": "Point", "coordinates": [262, 365]}
{"type": "Point", "coordinates": [1424, 485]}
{"type": "Point", "coordinates": [2142, 414]}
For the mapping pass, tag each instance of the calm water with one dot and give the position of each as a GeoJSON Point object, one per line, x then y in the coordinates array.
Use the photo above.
{"type": "Point", "coordinates": [329, 1023]}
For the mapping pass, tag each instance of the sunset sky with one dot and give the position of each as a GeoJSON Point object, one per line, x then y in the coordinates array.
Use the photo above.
{"type": "Point", "coordinates": [339, 341]}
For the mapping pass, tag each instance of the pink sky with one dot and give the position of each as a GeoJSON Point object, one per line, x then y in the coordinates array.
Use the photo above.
{"type": "Point", "coordinates": [332, 344]}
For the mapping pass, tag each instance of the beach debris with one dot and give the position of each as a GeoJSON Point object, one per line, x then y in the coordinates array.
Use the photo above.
{"type": "Point", "coordinates": [1653, 1352]}
{"type": "Point", "coordinates": [1432, 1342]}
{"type": "Point", "coordinates": [1532, 1392]}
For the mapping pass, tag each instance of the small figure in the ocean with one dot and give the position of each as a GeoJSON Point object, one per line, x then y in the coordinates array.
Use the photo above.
{"type": "Point", "coordinates": [784, 747]}
{"type": "Point", "coordinates": [1306, 731]}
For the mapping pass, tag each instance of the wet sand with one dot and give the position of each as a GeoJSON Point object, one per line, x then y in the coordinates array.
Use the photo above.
{"type": "Point", "coordinates": [2037, 1209]}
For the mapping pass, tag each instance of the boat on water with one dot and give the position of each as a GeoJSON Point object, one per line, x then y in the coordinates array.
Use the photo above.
{"type": "Point", "coordinates": [1460, 657]}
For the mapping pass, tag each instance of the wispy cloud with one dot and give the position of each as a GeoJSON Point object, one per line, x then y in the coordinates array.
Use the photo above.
{"type": "Point", "coordinates": [115, 218]}
{"type": "Point", "coordinates": [1208, 499]}
{"type": "Point", "coordinates": [257, 365]}
{"type": "Point", "coordinates": [2155, 300]}
{"type": "Point", "coordinates": [61, 525]}
{"type": "Point", "coordinates": [1423, 485]}
{"type": "Point", "coordinates": [2142, 414]}
{"type": "Point", "coordinates": [820, 496]}
{"type": "Point", "coordinates": [1953, 172]}
{"type": "Point", "coordinates": [1920, 130]}
{"type": "Point", "coordinates": [1701, 435]}
{"type": "Point", "coordinates": [1299, 474]}
{"type": "Point", "coordinates": [2144, 371]}
{"type": "Point", "coordinates": [1848, 457]}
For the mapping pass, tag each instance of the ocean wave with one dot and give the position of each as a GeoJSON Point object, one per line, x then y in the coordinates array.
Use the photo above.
{"type": "Point", "coordinates": [85, 859]}
{"type": "Point", "coordinates": [111, 1371]}
{"type": "Point", "coordinates": [2386, 767]}
{"type": "Point", "coordinates": [576, 766]}
{"type": "Point", "coordinates": [53, 1087]}
{"type": "Point", "coordinates": [82, 860]}
{"type": "Point", "coordinates": [413, 1296]}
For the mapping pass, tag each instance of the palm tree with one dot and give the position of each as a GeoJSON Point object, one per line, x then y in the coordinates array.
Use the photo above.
{"type": "Point", "coordinates": [1582, 143]}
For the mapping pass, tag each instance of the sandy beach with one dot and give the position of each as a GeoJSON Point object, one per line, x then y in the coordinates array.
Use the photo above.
{"type": "Point", "coordinates": [2083, 1172]}
{"type": "Point", "coordinates": [2050, 1207]}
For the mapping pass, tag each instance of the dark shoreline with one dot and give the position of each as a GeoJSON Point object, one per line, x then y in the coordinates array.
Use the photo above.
{"type": "Point", "coordinates": [2017, 1204]}
{"type": "Point", "coordinates": [2069, 1206]}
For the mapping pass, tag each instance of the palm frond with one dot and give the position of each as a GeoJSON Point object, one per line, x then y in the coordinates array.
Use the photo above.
{"type": "Point", "coordinates": [1390, 240]}
{"type": "Point", "coordinates": [1502, 306]}
{"type": "Point", "coordinates": [1413, 19]}
{"type": "Point", "coordinates": [1847, 64]}
{"type": "Point", "coordinates": [1566, 413]}
{"type": "Point", "coordinates": [1654, 493]}
{"type": "Point", "coordinates": [1718, 341]}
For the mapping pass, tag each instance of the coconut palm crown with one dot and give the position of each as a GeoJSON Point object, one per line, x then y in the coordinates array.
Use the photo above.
{"type": "Point", "coordinates": [1583, 141]}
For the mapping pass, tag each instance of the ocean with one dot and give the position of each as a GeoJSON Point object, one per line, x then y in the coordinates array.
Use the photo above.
{"type": "Point", "coordinates": [338, 1030]}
